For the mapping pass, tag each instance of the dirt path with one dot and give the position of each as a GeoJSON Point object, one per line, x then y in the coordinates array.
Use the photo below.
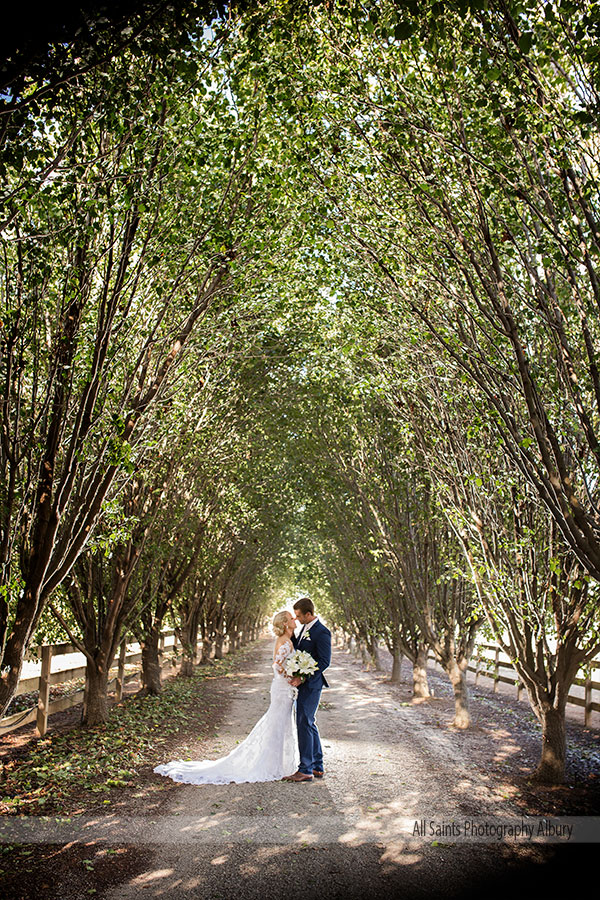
{"type": "Point", "coordinates": [347, 836]}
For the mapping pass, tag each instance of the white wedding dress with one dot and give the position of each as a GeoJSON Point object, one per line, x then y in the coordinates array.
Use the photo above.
{"type": "Point", "coordinates": [268, 753]}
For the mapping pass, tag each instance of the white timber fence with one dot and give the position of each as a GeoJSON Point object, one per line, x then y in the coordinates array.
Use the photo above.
{"type": "Point", "coordinates": [128, 658]}
{"type": "Point", "coordinates": [488, 661]}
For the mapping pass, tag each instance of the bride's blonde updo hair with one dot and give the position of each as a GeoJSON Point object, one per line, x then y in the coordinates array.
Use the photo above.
{"type": "Point", "coordinates": [279, 622]}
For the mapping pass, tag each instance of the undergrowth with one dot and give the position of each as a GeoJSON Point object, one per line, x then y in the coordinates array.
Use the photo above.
{"type": "Point", "coordinates": [101, 757]}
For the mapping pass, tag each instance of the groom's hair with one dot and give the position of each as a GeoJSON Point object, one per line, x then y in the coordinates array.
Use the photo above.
{"type": "Point", "coordinates": [305, 605]}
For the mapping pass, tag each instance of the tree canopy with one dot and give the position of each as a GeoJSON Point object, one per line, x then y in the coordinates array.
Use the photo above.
{"type": "Point", "coordinates": [304, 296]}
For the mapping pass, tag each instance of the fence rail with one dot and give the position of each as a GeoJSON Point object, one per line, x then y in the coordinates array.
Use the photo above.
{"type": "Point", "coordinates": [489, 667]}
{"type": "Point", "coordinates": [42, 682]}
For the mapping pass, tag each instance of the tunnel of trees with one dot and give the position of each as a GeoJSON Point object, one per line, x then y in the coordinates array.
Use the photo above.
{"type": "Point", "coordinates": [304, 294]}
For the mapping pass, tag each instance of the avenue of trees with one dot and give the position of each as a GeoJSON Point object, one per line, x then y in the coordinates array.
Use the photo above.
{"type": "Point", "coordinates": [305, 293]}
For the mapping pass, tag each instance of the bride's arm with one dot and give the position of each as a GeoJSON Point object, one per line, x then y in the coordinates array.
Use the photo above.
{"type": "Point", "coordinates": [278, 665]}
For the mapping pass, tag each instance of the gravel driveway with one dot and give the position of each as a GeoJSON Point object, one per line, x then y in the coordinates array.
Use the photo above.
{"type": "Point", "coordinates": [351, 835]}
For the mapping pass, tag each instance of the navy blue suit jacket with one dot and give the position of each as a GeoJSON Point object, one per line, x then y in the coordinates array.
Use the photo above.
{"type": "Point", "coordinates": [318, 643]}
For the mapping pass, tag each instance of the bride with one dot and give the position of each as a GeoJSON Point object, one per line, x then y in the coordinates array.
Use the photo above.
{"type": "Point", "coordinates": [271, 749]}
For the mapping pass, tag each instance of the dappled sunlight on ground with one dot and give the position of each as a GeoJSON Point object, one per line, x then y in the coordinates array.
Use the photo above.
{"type": "Point", "coordinates": [152, 877]}
{"type": "Point", "coordinates": [345, 873]}
{"type": "Point", "coordinates": [506, 749]}
{"type": "Point", "coordinates": [397, 854]}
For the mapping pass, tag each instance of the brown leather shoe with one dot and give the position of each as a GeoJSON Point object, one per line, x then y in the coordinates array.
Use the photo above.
{"type": "Point", "coordinates": [317, 773]}
{"type": "Point", "coordinates": [297, 776]}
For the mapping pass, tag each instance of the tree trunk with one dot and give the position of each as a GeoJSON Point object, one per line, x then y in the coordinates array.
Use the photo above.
{"type": "Point", "coordinates": [151, 683]}
{"type": "Point", "coordinates": [396, 677]}
{"type": "Point", "coordinates": [206, 650]}
{"type": "Point", "coordinates": [95, 706]}
{"type": "Point", "coordinates": [365, 655]}
{"type": "Point", "coordinates": [375, 655]}
{"type": "Point", "coordinates": [189, 641]}
{"type": "Point", "coordinates": [458, 679]}
{"type": "Point", "coordinates": [219, 645]}
{"type": "Point", "coordinates": [551, 767]}
{"type": "Point", "coordinates": [420, 683]}
{"type": "Point", "coordinates": [12, 666]}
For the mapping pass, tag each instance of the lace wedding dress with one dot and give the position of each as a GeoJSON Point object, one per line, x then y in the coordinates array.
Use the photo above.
{"type": "Point", "coordinates": [268, 753]}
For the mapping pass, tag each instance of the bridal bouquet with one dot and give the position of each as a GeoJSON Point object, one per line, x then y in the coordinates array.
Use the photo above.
{"type": "Point", "coordinates": [300, 664]}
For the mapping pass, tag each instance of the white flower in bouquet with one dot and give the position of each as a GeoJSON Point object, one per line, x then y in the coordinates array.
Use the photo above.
{"type": "Point", "coordinates": [300, 664]}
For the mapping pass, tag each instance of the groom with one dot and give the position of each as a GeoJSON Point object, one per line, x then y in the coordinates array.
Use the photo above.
{"type": "Point", "coordinates": [315, 639]}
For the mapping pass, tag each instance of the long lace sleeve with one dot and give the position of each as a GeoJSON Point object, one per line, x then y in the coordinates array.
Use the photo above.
{"type": "Point", "coordinates": [280, 657]}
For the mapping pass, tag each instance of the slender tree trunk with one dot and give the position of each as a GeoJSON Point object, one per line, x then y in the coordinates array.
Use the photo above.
{"type": "Point", "coordinates": [551, 767]}
{"type": "Point", "coordinates": [420, 682]}
{"type": "Point", "coordinates": [12, 664]}
{"type": "Point", "coordinates": [189, 641]}
{"type": "Point", "coordinates": [365, 655]}
{"type": "Point", "coordinates": [549, 708]}
{"type": "Point", "coordinates": [219, 645]}
{"type": "Point", "coordinates": [207, 646]}
{"type": "Point", "coordinates": [95, 707]}
{"type": "Point", "coordinates": [458, 679]}
{"type": "Point", "coordinates": [375, 655]}
{"type": "Point", "coordinates": [151, 683]}
{"type": "Point", "coordinates": [396, 676]}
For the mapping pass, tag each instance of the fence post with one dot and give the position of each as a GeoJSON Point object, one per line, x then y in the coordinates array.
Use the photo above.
{"type": "Point", "coordinates": [44, 692]}
{"type": "Point", "coordinates": [161, 651]}
{"type": "Point", "coordinates": [587, 716]}
{"type": "Point", "coordinates": [86, 688]}
{"type": "Point", "coordinates": [496, 669]}
{"type": "Point", "coordinates": [121, 670]}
